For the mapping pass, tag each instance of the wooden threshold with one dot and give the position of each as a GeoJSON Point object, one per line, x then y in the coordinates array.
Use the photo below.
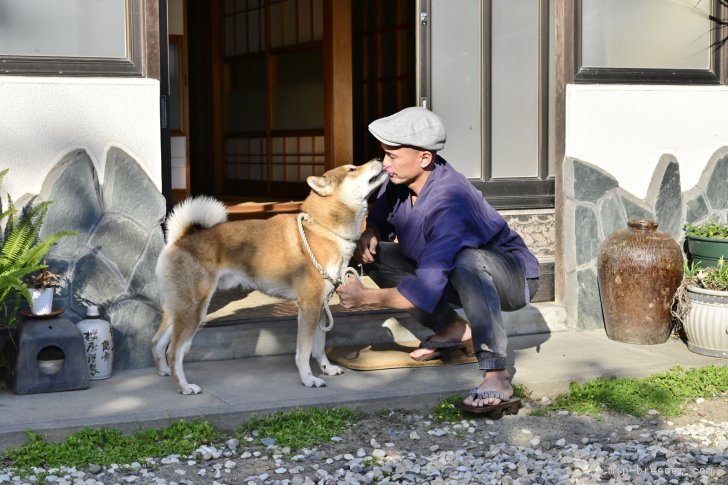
{"type": "Point", "coordinates": [260, 210]}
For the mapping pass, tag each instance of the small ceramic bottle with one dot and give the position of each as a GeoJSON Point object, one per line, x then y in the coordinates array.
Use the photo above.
{"type": "Point", "coordinates": [99, 344]}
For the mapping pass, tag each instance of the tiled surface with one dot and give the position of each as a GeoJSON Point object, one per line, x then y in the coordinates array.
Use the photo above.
{"type": "Point", "coordinates": [233, 389]}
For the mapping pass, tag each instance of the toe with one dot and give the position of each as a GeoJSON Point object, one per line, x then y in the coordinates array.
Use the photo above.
{"type": "Point", "coordinates": [421, 352]}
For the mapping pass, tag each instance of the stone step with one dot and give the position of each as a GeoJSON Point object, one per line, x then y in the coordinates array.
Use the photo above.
{"type": "Point", "coordinates": [276, 337]}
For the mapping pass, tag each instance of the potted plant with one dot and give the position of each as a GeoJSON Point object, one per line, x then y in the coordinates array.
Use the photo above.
{"type": "Point", "coordinates": [42, 285]}
{"type": "Point", "coordinates": [706, 243]}
{"type": "Point", "coordinates": [702, 308]}
{"type": "Point", "coordinates": [21, 253]}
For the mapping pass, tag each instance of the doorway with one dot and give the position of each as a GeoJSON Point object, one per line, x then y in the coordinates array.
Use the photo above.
{"type": "Point", "coordinates": [283, 89]}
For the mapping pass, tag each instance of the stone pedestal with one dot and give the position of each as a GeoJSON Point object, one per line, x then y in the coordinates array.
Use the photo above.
{"type": "Point", "coordinates": [50, 357]}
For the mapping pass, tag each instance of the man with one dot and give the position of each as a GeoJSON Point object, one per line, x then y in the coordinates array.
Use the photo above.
{"type": "Point", "coordinates": [452, 248]}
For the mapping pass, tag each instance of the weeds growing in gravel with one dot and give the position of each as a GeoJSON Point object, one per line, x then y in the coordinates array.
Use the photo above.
{"type": "Point", "coordinates": [106, 446]}
{"type": "Point", "coordinates": [664, 392]}
{"type": "Point", "coordinates": [300, 428]}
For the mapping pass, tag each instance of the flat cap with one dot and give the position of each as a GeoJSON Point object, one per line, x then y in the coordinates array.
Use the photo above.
{"type": "Point", "coordinates": [416, 127]}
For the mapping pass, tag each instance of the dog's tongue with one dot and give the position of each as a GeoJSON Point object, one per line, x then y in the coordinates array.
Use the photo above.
{"type": "Point", "coordinates": [390, 171]}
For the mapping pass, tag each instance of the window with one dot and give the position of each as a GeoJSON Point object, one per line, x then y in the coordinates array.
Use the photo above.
{"type": "Point", "coordinates": [274, 96]}
{"type": "Point", "coordinates": [491, 79]}
{"type": "Point", "coordinates": [71, 37]}
{"type": "Point", "coordinates": [647, 41]}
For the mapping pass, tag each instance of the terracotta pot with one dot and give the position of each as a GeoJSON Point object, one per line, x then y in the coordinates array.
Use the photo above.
{"type": "Point", "coordinates": [639, 270]}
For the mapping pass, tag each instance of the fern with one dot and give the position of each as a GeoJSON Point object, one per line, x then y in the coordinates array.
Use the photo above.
{"type": "Point", "coordinates": [22, 250]}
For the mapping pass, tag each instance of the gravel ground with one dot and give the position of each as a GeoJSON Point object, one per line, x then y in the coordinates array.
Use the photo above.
{"type": "Point", "coordinates": [404, 447]}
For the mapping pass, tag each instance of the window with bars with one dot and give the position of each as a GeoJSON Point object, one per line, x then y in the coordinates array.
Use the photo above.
{"type": "Point", "coordinates": [274, 98]}
{"type": "Point", "coordinates": [384, 65]}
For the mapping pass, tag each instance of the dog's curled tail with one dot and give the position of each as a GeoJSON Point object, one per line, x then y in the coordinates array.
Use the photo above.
{"type": "Point", "coordinates": [200, 211]}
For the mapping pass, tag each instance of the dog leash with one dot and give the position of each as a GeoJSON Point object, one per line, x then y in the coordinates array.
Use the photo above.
{"type": "Point", "coordinates": [349, 271]}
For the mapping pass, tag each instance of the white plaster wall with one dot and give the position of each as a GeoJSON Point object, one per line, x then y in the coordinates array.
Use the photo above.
{"type": "Point", "coordinates": [625, 129]}
{"type": "Point", "coordinates": [42, 119]}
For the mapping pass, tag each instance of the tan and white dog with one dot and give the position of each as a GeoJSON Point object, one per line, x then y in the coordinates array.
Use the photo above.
{"type": "Point", "coordinates": [204, 252]}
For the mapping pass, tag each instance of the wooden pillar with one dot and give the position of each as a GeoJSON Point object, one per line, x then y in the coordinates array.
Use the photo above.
{"type": "Point", "coordinates": [564, 47]}
{"type": "Point", "coordinates": [338, 110]}
{"type": "Point", "coordinates": [218, 79]}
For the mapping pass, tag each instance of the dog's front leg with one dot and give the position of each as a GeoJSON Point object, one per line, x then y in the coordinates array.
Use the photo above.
{"type": "Point", "coordinates": [307, 324]}
{"type": "Point", "coordinates": [319, 351]}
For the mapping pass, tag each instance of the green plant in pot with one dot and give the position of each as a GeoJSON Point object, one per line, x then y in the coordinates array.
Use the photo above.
{"type": "Point", "coordinates": [42, 285]}
{"type": "Point", "coordinates": [22, 251]}
{"type": "Point", "coordinates": [702, 308]}
{"type": "Point", "coordinates": [706, 243]}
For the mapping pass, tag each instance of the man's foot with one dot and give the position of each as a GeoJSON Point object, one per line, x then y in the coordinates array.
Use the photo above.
{"type": "Point", "coordinates": [457, 331]}
{"type": "Point", "coordinates": [497, 381]}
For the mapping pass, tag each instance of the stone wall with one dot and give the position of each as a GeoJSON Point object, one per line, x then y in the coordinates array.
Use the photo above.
{"type": "Point", "coordinates": [596, 206]}
{"type": "Point", "coordinates": [111, 262]}
{"type": "Point", "coordinates": [536, 227]}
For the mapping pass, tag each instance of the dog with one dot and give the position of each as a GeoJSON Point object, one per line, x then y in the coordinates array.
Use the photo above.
{"type": "Point", "coordinates": [300, 257]}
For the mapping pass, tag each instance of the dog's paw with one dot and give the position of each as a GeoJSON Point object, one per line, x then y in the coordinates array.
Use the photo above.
{"type": "Point", "coordinates": [164, 372]}
{"type": "Point", "coordinates": [331, 370]}
{"type": "Point", "coordinates": [314, 382]}
{"type": "Point", "coordinates": [190, 389]}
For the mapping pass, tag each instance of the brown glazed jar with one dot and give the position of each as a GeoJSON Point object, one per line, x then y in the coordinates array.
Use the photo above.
{"type": "Point", "coordinates": [639, 270]}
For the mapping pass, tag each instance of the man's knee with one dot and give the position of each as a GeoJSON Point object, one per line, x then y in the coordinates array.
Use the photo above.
{"type": "Point", "coordinates": [491, 268]}
{"type": "Point", "coordinates": [470, 261]}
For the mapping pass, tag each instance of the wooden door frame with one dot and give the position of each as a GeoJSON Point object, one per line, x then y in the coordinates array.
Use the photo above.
{"type": "Point", "coordinates": [338, 84]}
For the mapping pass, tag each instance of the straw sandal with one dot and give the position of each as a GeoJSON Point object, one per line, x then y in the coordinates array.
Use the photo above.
{"type": "Point", "coordinates": [444, 346]}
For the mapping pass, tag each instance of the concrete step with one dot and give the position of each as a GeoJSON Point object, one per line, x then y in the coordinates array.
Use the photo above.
{"type": "Point", "coordinates": [277, 337]}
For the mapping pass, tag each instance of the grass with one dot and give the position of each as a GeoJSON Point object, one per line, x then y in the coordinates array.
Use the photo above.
{"type": "Point", "coordinates": [107, 446]}
{"type": "Point", "coordinates": [664, 392]}
{"type": "Point", "coordinates": [300, 428]}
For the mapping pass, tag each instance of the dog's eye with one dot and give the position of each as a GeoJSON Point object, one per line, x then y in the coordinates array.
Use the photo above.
{"type": "Point", "coordinates": [352, 169]}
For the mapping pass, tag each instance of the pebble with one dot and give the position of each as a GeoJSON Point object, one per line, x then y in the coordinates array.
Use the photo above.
{"type": "Point", "coordinates": [695, 453]}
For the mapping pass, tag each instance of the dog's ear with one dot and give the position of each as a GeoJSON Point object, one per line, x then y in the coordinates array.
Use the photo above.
{"type": "Point", "coordinates": [321, 185]}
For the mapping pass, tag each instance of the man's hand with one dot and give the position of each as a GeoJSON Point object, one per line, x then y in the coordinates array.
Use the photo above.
{"type": "Point", "coordinates": [351, 293]}
{"type": "Point", "coordinates": [366, 247]}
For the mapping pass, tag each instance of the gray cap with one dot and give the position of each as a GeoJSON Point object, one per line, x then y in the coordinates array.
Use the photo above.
{"type": "Point", "coordinates": [415, 127]}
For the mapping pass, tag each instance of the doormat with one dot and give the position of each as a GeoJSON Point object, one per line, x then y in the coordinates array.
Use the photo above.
{"type": "Point", "coordinates": [391, 355]}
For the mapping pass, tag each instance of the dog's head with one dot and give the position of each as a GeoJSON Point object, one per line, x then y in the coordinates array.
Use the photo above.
{"type": "Point", "coordinates": [351, 184]}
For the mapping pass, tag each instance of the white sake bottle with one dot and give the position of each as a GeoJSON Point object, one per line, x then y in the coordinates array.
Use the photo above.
{"type": "Point", "coordinates": [99, 344]}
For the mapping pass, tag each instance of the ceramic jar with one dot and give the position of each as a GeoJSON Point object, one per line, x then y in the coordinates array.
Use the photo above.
{"type": "Point", "coordinates": [99, 344]}
{"type": "Point", "coordinates": [639, 270]}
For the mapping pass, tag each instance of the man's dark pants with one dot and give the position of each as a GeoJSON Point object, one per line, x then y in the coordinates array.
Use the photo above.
{"type": "Point", "coordinates": [485, 282]}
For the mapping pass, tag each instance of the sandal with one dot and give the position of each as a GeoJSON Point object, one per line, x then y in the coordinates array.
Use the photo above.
{"type": "Point", "coordinates": [446, 346]}
{"type": "Point", "coordinates": [508, 405]}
